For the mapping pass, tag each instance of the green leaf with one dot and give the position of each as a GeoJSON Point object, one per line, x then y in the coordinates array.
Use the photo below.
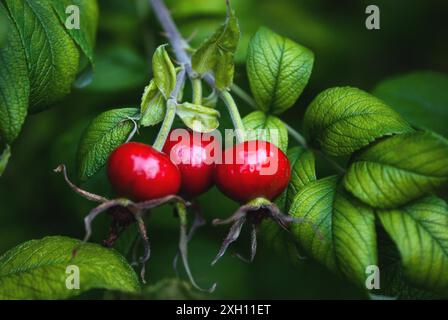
{"type": "Point", "coordinates": [421, 97]}
{"type": "Point", "coordinates": [13, 70]}
{"type": "Point", "coordinates": [84, 37]}
{"type": "Point", "coordinates": [399, 169]}
{"type": "Point", "coordinates": [37, 269]}
{"type": "Point", "coordinates": [4, 27]}
{"type": "Point", "coordinates": [216, 54]}
{"type": "Point", "coordinates": [4, 158]}
{"type": "Point", "coordinates": [420, 231]}
{"type": "Point", "coordinates": [153, 106]}
{"type": "Point", "coordinates": [303, 172]}
{"type": "Point", "coordinates": [283, 243]}
{"type": "Point", "coordinates": [337, 230]}
{"type": "Point", "coordinates": [278, 70]}
{"type": "Point", "coordinates": [260, 126]}
{"type": "Point", "coordinates": [51, 54]}
{"type": "Point", "coordinates": [164, 71]}
{"type": "Point", "coordinates": [39, 53]}
{"type": "Point", "coordinates": [342, 120]}
{"type": "Point", "coordinates": [198, 118]}
{"type": "Point", "coordinates": [102, 136]}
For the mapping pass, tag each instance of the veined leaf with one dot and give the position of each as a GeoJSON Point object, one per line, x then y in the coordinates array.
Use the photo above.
{"type": "Point", "coordinates": [399, 169]}
{"type": "Point", "coordinates": [342, 120]}
{"type": "Point", "coordinates": [4, 27]}
{"type": "Point", "coordinates": [420, 231]}
{"type": "Point", "coordinates": [84, 36]}
{"type": "Point", "coordinates": [393, 283]}
{"type": "Point", "coordinates": [102, 136]}
{"type": "Point", "coordinates": [303, 172]}
{"type": "Point", "coordinates": [198, 118]}
{"type": "Point", "coordinates": [216, 54]}
{"type": "Point", "coordinates": [13, 70]}
{"type": "Point", "coordinates": [153, 106]}
{"type": "Point", "coordinates": [51, 55]}
{"type": "Point", "coordinates": [421, 97]}
{"type": "Point", "coordinates": [164, 71]}
{"type": "Point", "coordinates": [41, 269]}
{"type": "Point", "coordinates": [260, 126]}
{"type": "Point", "coordinates": [337, 230]}
{"type": "Point", "coordinates": [278, 70]}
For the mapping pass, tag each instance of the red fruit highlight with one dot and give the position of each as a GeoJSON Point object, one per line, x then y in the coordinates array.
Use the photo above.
{"type": "Point", "coordinates": [193, 154]}
{"type": "Point", "coordinates": [253, 169]}
{"type": "Point", "coordinates": [140, 172]}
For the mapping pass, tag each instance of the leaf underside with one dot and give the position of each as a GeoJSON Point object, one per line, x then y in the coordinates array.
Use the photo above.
{"type": "Point", "coordinates": [153, 106]}
{"type": "Point", "coordinates": [164, 71]}
{"type": "Point", "coordinates": [216, 54]}
{"type": "Point", "coordinates": [197, 117]}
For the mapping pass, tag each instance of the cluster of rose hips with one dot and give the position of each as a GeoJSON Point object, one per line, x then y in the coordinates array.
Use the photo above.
{"type": "Point", "coordinates": [140, 172]}
{"type": "Point", "coordinates": [186, 168]}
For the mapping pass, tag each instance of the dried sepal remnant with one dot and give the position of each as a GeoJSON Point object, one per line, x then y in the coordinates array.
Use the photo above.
{"type": "Point", "coordinates": [254, 215]}
{"type": "Point", "coordinates": [184, 238]}
{"type": "Point", "coordinates": [126, 212]}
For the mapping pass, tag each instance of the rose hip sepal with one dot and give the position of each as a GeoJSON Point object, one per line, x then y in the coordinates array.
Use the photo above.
{"type": "Point", "coordinates": [124, 212]}
{"type": "Point", "coordinates": [141, 173]}
{"type": "Point", "coordinates": [252, 172]}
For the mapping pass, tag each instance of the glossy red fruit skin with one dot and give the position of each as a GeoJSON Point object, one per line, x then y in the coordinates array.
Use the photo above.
{"type": "Point", "coordinates": [242, 180]}
{"type": "Point", "coordinates": [193, 157]}
{"type": "Point", "coordinates": [139, 172]}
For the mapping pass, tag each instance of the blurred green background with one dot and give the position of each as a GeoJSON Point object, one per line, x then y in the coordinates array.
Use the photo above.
{"type": "Point", "coordinates": [35, 202]}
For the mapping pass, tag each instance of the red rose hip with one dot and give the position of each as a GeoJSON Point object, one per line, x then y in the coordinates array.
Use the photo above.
{"type": "Point", "coordinates": [193, 154]}
{"type": "Point", "coordinates": [252, 169]}
{"type": "Point", "coordinates": [140, 172]}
